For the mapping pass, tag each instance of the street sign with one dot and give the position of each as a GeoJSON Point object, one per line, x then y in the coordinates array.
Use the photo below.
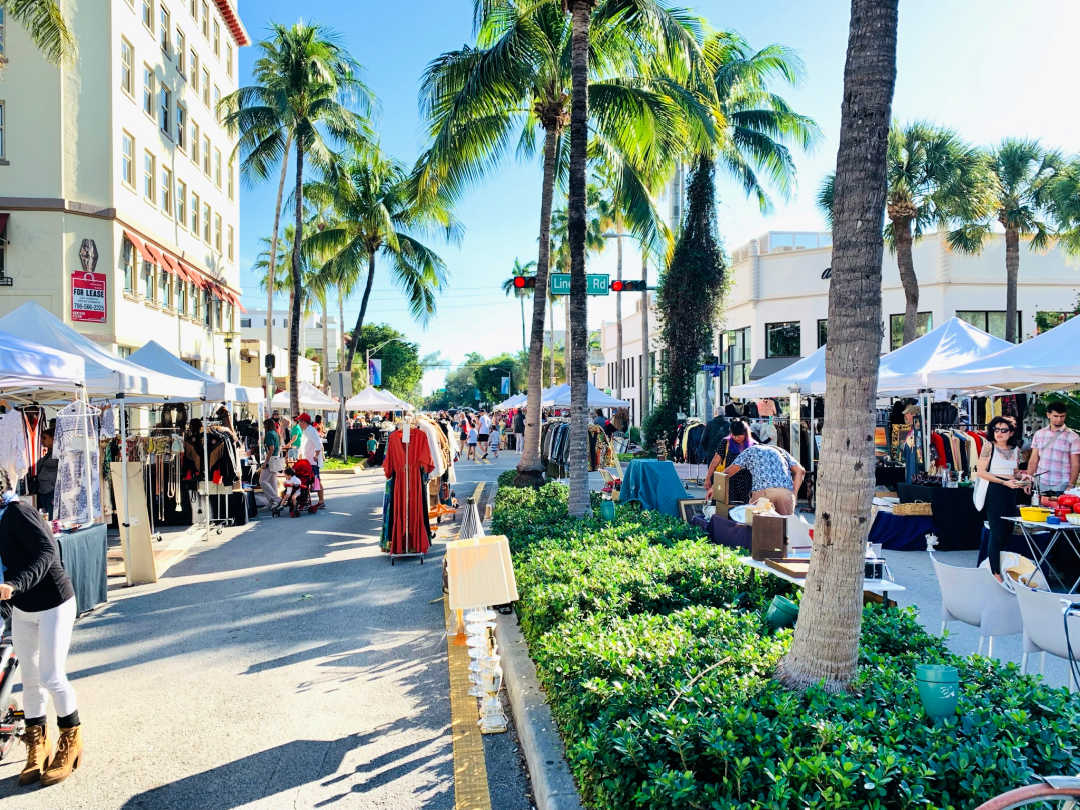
{"type": "Point", "coordinates": [88, 297]}
{"type": "Point", "coordinates": [595, 283]}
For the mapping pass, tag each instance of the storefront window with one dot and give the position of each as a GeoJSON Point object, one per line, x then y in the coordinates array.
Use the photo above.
{"type": "Point", "coordinates": [822, 331]}
{"type": "Point", "coordinates": [148, 280]}
{"type": "Point", "coordinates": [992, 321]}
{"type": "Point", "coordinates": [783, 339]}
{"type": "Point", "coordinates": [181, 298]}
{"type": "Point", "coordinates": [163, 287]}
{"type": "Point", "coordinates": [131, 266]}
{"type": "Point", "coordinates": [896, 328]}
{"type": "Point", "coordinates": [737, 353]}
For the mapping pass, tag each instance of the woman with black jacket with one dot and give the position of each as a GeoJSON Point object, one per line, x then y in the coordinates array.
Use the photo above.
{"type": "Point", "coordinates": [43, 615]}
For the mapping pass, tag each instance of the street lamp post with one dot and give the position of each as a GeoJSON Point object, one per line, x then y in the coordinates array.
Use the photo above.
{"type": "Point", "coordinates": [229, 338]}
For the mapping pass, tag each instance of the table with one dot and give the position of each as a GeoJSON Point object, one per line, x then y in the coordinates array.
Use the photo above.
{"type": "Point", "coordinates": [880, 587]}
{"type": "Point", "coordinates": [654, 484]}
{"type": "Point", "coordinates": [956, 522]}
{"type": "Point", "coordinates": [901, 532]}
{"type": "Point", "coordinates": [1069, 531]}
{"type": "Point", "coordinates": [82, 553]}
{"type": "Point", "coordinates": [723, 531]}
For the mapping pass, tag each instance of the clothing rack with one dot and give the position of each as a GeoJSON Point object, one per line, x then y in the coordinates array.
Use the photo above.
{"type": "Point", "coordinates": [407, 427]}
{"type": "Point", "coordinates": [209, 489]}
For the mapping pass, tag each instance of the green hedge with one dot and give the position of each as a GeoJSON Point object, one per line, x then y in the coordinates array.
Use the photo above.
{"type": "Point", "coordinates": [622, 618]}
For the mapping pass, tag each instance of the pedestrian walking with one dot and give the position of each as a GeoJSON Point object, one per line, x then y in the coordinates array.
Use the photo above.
{"type": "Point", "coordinates": [484, 433]}
{"type": "Point", "coordinates": [519, 430]}
{"type": "Point", "coordinates": [472, 437]}
{"type": "Point", "coordinates": [273, 463]}
{"type": "Point", "coordinates": [311, 450]}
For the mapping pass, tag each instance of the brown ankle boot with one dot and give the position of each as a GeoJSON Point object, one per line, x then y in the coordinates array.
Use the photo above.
{"type": "Point", "coordinates": [67, 758]}
{"type": "Point", "coordinates": [37, 754]}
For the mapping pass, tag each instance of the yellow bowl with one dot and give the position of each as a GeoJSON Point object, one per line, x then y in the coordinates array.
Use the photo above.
{"type": "Point", "coordinates": [1037, 514]}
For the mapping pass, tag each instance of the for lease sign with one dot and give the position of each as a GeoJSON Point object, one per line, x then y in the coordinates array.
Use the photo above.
{"type": "Point", "coordinates": [88, 297]}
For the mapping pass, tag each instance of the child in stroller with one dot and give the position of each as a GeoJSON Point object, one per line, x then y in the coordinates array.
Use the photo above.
{"type": "Point", "coordinates": [297, 495]}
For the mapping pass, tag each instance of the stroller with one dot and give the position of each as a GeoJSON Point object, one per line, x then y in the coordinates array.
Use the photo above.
{"type": "Point", "coordinates": [302, 470]}
{"type": "Point", "coordinates": [12, 721]}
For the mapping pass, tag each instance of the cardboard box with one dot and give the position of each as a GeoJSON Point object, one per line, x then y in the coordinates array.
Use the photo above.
{"type": "Point", "coordinates": [720, 488]}
{"type": "Point", "coordinates": [767, 537]}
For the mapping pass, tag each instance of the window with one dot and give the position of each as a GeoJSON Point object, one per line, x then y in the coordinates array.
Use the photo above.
{"type": "Point", "coordinates": [148, 14]}
{"type": "Point", "coordinates": [217, 167]}
{"type": "Point", "coordinates": [992, 321]}
{"type": "Point", "coordinates": [208, 310]}
{"type": "Point", "coordinates": [148, 281]}
{"type": "Point", "coordinates": [195, 142]}
{"type": "Point", "coordinates": [165, 21]}
{"type": "Point", "coordinates": [148, 90]}
{"type": "Point", "coordinates": [783, 339]}
{"type": "Point", "coordinates": [217, 37]}
{"type": "Point", "coordinates": [163, 287]}
{"type": "Point", "coordinates": [181, 202]}
{"type": "Point", "coordinates": [737, 343]}
{"type": "Point", "coordinates": [228, 59]}
{"type": "Point", "coordinates": [1, 35]}
{"type": "Point", "coordinates": [206, 155]}
{"type": "Point", "coordinates": [149, 180]}
{"type": "Point", "coordinates": [195, 213]}
{"type": "Point", "coordinates": [206, 86]}
{"type": "Point", "coordinates": [3, 140]}
{"type": "Point", "coordinates": [217, 103]}
{"type": "Point", "coordinates": [217, 232]}
{"type": "Point", "coordinates": [896, 328]}
{"type": "Point", "coordinates": [127, 159]}
{"type": "Point", "coordinates": [127, 67]}
{"type": "Point", "coordinates": [196, 302]}
{"type": "Point", "coordinates": [166, 190]}
{"type": "Point", "coordinates": [194, 70]}
{"type": "Point", "coordinates": [181, 127]}
{"type": "Point", "coordinates": [206, 222]}
{"type": "Point", "coordinates": [245, 323]}
{"type": "Point", "coordinates": [205, 19]}
{"type": "Point", "coordinates": [822, 331]}
{"type": "Point", "coordinates": [231, 179]}
{"type": "Point", "coordinates": [165, 110]}
{"type": "Point", "coordinates": [181, 297]}
{"type": "Point", "coordinates": [181, 52]}
{"type": "Point", "coordinates": [195, 9]}
{"type": "Point", "coordinates": [131, 266]}
{"type": "Point", "coordinates": [231, 242]}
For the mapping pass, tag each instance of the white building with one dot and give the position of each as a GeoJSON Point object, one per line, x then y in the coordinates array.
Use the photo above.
{"type": "Point", "coordinates": [116, 163]}
{"type": "Point", "coordinates": [776, 308]}
{"type": "Point", "coordinates": [629, 384]}
{"type": "Point", "coordinates": [253, 327]}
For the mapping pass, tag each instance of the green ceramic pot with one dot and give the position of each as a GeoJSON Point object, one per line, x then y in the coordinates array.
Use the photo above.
{"type": "Point", "coordinates": [607, 510]}
{"type": "Point", "coordinates": [782, 612]}
{"type": "Point", "coordinates": [939, 689]}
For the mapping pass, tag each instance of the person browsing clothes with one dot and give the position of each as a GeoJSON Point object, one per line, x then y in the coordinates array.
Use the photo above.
{"type": "Point", "coordinates": [1055, 453]}
{"type": "Point", "coordinates": [775, 474]}
{"type": "Point", "coordinates": [997, 465]}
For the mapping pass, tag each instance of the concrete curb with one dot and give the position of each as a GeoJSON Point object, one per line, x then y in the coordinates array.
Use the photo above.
{"type": "Point", "coordinates": [553, 785]}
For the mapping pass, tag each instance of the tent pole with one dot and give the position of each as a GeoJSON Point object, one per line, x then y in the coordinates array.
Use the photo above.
{"type": "Point", "coordinates": [125, 526]}
{"type": "Point", "coordinates": [206, 476]}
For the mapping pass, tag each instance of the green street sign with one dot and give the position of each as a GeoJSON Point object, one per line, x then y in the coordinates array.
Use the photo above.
{"type": "Point", "coordinates": [595, 283]}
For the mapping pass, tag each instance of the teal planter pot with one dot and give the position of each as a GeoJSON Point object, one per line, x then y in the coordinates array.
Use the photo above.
{"type": "Point", "coordinates": [782, 612]}
{"type": "Point", "coordinates": [607, 510]}
{"type": "Point", "coordinates": [939, 689]}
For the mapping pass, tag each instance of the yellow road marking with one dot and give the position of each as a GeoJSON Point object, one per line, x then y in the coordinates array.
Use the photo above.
{"type": "Point", "coordinates": [470, 768]}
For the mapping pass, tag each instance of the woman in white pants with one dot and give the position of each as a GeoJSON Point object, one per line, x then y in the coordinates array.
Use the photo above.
{"type": "Point", "coordinates": [43, 614]}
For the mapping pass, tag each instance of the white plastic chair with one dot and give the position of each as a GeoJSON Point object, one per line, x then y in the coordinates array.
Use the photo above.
{"type": "Point", "coordinates": [1044, 628]}
{"type": "Point", "coordinates": [973, 596]}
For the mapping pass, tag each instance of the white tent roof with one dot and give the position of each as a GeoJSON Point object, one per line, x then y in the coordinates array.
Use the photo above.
{"type": "Point", "coordinates": [925, 362]}
{"type": "Point", "coordinates": [807, 374]}
{"type": "Point", "coordinates": [29, 366]}
{"type": "Point", "coordinates": [311, 398]}
{"type": "Point", "coordinates": [396, 402]}
{"type": "Point", "coordinates": [106, 374]}
{"type": "Point", "coordinates": [1047, 362]}
{"type": "Point", "coordinates": [548, 395]}
{"type": "Point", "coordinates": [156, 357]}
{"type": "Point", "coordinates": [370, 399]}
{"type": "Point", "coordinates": [511, 402]}
{"type": "Point", "coordinates": [596, 398]}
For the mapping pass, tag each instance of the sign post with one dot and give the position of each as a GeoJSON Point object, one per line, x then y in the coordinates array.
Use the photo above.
{"type": "Point", "coordinates": [88, 303]}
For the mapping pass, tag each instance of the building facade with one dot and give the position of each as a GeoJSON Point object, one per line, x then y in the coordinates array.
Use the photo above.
{"type": "Point", "coordinates": [119, 196]}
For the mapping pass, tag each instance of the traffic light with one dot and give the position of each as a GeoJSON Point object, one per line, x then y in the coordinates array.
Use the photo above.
{"type": "Point", "coordinates": [524, 282]}
{"type": "Point", "coordinates": [627, 286]}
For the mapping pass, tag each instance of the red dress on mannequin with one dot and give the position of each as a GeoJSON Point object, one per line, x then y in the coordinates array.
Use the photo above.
{"type": "Point", "coordinates": [419, 458]}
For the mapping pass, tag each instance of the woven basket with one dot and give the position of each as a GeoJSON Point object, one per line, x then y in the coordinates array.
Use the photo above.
{"type": "Point", "coordinates": [910, 509]}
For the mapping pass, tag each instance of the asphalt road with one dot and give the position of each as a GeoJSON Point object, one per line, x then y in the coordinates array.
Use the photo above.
{"type": "Point", "coordinates": [285, 664]}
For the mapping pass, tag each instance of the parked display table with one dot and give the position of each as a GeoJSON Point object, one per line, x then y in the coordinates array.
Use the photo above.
{"type": "Point", "coordinates": [956, 523]}
{"type": "Point", "coordinates": [901, 532]}
{"type": "Point", "coordinates": [654, 484]}
{"type": "Point", "coordinates": [82, 553]}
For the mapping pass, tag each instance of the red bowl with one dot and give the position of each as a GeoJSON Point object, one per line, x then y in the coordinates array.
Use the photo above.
{"type": "Point", "coordinates": [1076, 508]}
{"type": "Point", "coordinates": [1068, 500]}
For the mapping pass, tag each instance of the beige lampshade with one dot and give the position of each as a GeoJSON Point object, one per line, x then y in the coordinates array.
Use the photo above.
{"type": "Point", "coordinates": [480, 572]}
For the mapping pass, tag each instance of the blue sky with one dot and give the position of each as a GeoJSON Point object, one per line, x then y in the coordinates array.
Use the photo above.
{"type": "Point", "coordinates": [1006, 70]}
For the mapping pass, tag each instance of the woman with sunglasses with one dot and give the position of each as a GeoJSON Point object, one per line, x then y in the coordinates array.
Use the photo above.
{"type": "Point", "coordinates": [998, 465]}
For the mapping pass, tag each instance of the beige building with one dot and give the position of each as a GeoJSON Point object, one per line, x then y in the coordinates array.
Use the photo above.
{"type": "Point", "coordinates": [116, 164]}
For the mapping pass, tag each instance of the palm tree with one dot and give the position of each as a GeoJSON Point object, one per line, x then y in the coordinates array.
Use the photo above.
{"type": "Point", "coordinates": [304, 80]}
{"type": "Point", "coordinates": [44, 21]}
{"type": "Point", "coordinates": [1066, 201]}
{"type": "Point", "coordinates": [826, 643]}
{"type": "Point", "coordinates": [520, 270]}
{"type": "Point", "coordinates": [274, 259]}
{"type": "Point", "coordinates": [515, 83]}
{"type": "Point", "coordinates": [1021, 182]}
{"type": "Point", "coordinates": [935, 179]}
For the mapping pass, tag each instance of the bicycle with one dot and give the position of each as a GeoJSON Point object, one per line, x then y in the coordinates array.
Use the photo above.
{"type": "Point", "coordinates": [1052, 792]}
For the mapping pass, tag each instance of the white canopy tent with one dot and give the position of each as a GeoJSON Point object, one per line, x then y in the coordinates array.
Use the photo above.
{"type": "Point", "coordinates": [807, 376]}
{"type": "Point", "coordinates": [156, 357]}
{"type": "Point", "coordinates": [370, 399]}
{"type": "Point", "coordinates": [311, 398]}
{"type": "Point", "coordinates": [924, 364]}
{"type": "Point", "coordinates": [515, 401]}
{"type": "Point", "coordinates": [560, 398]}
{"type": "Point", "coordinates": [37, 370]}
{"type": "Point", "coordinates": [1047, 362]}
{"type": "Point", "coordinates": [397, 403]}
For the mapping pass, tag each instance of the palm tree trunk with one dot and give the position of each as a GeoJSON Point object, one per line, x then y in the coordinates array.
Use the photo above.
{"type": "Point", "coordinates": [363, 311]}
{"type": "Point", "coordinates": [341, 332]}
{"type": "Point", "coordinates": [566, 340]}
{"type": "Point", "coordinates": [618, 315]}
{"type": "Point", "coordinates": [1012, 275]}
{"type": "Point", "coordinates": [271, 273]}
{"type": "Point", "coordinates": [581, 15]}
{"type": "Point", "coordinates": [530, 469]}
{"type": "Point", "coordinates": [298, 293]}
{"type": "Point", "coordinates": [826, 642]}
{"type": "Point", "coordinates": [325, 345]}
{"type": "Point", "coordinates": [904, 263]}
{"type": "Point", "coordinates": [551, 342]}
{"type": "Point", "coordinates": [521, 303]}
{"type": "Point", "coordinates": [646, 356]}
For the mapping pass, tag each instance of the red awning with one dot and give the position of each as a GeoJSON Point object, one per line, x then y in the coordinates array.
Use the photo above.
{"type": "Point", "coordinates": [169, 263]}
{"type": "Point", "coordinates": [232, 20]}
{"type": "Point", "coordinates": [139, 246]}
{"type": "Point", "coordinates": [155, 254]}
{"type": "Point", "coordinates": [182, 272]}
{"type": "Point", "coordinates": [194, 277]}
{"type": "Point", "coordinates": [240, 306]}
{"type": "Point", "coordinates": [3, 225]}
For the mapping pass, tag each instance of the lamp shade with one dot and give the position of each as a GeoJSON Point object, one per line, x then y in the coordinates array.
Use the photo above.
{"type": "Point", "coordinates": [480, 572]}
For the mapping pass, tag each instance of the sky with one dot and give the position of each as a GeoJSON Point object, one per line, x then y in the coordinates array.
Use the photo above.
{"type": "Point", "coordinates": [1006, 70]}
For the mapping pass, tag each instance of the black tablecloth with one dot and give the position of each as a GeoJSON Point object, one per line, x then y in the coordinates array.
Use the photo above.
{"type": "Point", "coordinates": [956, 523]}
{"type": "Point", "coordinates": [725, 532]}
{"type": "Point", "coordinates": [83, 554]}
{"type": "Point", "coordinates": [901, 532]}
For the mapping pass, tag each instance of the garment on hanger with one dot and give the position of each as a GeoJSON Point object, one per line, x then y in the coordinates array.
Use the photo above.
{"type": "Point", "coordinates": [409, 463]}
{"type": "Point", "coordinates": [13, 451]}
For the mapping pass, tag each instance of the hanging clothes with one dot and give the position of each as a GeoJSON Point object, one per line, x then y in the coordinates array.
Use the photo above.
{"type": "Point", "coordinates": [14, 461]}
{"type": "Point", "coordinates": [408, 464]}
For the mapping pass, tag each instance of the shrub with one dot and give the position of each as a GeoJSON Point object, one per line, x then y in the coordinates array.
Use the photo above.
{"type": "Point", "coordinates": [506, 478]}
{"type": "Point", "coordinates": [652, 648]}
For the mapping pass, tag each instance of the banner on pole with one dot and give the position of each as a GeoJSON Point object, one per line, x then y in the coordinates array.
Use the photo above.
{"type": "Point", "coordinates": [505, 389]}
{"type": "Point", "coordinates": [374, 372]}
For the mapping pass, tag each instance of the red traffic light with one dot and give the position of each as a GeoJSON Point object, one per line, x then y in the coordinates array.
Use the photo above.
{"type": "Point", "coordinates": [524, 282]}
{"type": "Point", "coordinates": [519, 282]}
{"type": "Point", "coordinates": [616, 286]}
{"type": "Point", "coordinates": [627, 286]}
